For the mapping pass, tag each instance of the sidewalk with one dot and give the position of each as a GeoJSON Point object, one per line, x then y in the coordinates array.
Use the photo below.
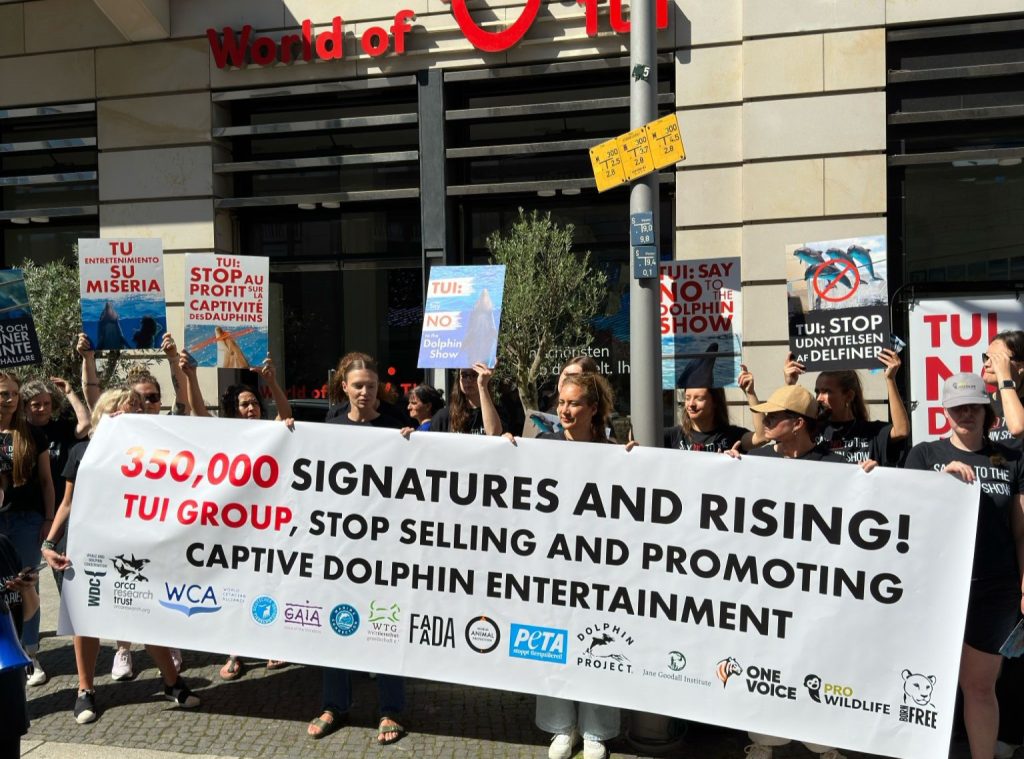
{"type": "Point", "coordinates": [264, 714]}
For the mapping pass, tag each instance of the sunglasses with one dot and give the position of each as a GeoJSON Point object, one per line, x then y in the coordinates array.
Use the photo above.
{"type": "Point", "coordinates": [774, 417]}
{"type": "Point", "coordinates": [151, 397]}
{"type": "Point", "coordinates": [467, 375]}
{"type": "Point", "coordinates": [985, 358]}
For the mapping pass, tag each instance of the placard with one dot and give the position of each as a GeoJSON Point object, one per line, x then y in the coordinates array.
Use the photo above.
{"type": "Point", "coordinates": [226, 309]}
{"type": "Point", "coordinates": [462, 316]}
{"type": "Point", "coordinates": [19, 344]}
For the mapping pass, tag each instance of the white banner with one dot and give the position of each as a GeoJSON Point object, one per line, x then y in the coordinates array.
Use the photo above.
{"type": "Point", "coordinates": [948, 336]}
{"type": "Point", "coordinates": [799, 599]}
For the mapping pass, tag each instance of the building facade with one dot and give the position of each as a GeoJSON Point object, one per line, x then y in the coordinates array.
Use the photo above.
{"type": "Point", "coordinates": [356, 144]}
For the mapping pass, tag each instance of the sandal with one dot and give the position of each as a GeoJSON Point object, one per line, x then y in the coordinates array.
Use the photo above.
{"type": "Point", "coordinates": [320, 727]}
{"type": "Point", "coordinates": [273, 664]}
{"type": "Point", "coordinates": [232, 669]}
{"type": "Point", "coordinates": [389, 731]}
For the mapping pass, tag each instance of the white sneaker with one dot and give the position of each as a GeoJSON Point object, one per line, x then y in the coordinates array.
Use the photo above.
{"type": "Point", "coordinates": [562, 745]}
{"type": "Point", "coordinates": [38, 676]}
{"type": "Point", "coordinates": [176, 659]}
{"type": "Point", "coordinates": [757, 751]}
{"type": "Point", "coordinates": [122, 669]}
{"type": "Point", "coordinates": [831, 754]}
{"type": "Point", "coordinates": [1003, 750]}
{"type": "Point", "coordinates": [594, 750]}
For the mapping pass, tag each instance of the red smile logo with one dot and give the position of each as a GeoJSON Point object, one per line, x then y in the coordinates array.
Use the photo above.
{"type": "Point", "coordinates": [494, 42]}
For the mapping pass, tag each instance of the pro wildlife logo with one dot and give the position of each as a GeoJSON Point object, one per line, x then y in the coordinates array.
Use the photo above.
{"type": "Point", "coordinates": [130, 569]}
{"type": "Point", "coordinates": [727, 668]}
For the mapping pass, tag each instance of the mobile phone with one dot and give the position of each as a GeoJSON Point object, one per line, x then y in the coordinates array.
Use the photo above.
{"type": "Point", "coordinates": [25, 573]}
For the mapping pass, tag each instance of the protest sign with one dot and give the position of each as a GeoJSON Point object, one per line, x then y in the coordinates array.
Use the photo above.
{"type": "Point", "coordinates": [461, 317]}
{"type": "Point", "coordinates": [838, 302]}
{"type": "Point", "coordinates": [948, 335]}
{"type": "Point", "coordinates": [122, 292]}
{"type": "Point", "coordinates": [793, 598]}
{"type": "Point", "coordinates": [226, 309]}
{"type": "Point", "coordinates": [19, 344]}
{"type": "Point", "coordinates": [700, 323]}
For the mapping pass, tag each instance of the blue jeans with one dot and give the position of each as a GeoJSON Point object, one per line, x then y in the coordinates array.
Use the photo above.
{"type": "Point", "coordinates": [22, 529]}
{"type": "Point", "coordinates": [338, 692]}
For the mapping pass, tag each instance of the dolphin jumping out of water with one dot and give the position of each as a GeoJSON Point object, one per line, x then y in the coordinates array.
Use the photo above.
{"type": "Point", "coordinates": [808, 256]}
{"type": "Point", "coordinates": [862, 257]}
{"type": "Point", "coordinates": [109, 334]}
{"type": "Point", "coordinates": [699, 372]}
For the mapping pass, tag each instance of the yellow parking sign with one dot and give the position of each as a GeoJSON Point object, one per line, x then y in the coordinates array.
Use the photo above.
{"type": "Point", "coordinates": [665, 141]}
{"type": "Point", "coordinates": [636, 153]}
{"type": "Point", "coordinates": [606, 161]}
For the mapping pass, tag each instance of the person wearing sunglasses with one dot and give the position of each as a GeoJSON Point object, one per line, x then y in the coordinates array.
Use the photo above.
{"type": "Point", "coordinates": [140, 380]}
{"type": "Point", "coordinates": [1003, 367]}
{"type": "Point", "coordinates": [470, 407]}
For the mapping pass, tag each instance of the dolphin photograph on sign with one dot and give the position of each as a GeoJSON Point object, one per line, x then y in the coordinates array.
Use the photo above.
{"type": "Point", "coordinates": [461, 316]}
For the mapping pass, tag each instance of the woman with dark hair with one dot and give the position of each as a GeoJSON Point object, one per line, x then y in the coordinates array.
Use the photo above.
{"type": "Point", "coordinates": [1003, 366]}
{"type": "Point", "coordinates": [424, 401]}
{"type": "Point", "coordinates": [997, 595]}
{"type": "Point", "coordinates": [845, 425]}
{"type": "Point", "coordinates": [471, 408]}
{"type": "Point", "coordinates": [704, 420]}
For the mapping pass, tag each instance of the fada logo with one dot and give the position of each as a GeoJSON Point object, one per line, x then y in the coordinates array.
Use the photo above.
{"type": "Point", "coordinates": [917, 694]}
{"type": "Point", "coordinates": [842, 696]}
{"type": "Point", "coordinates": [190, 599]}
{"type": "Point", "coordinates": [264, 610]}
{"type": "Point", "coordinates": [482, 635]}
{"type": "Point", "coordinates": [606, 645]}
{"type": "Point", "coordinates": [545, 644]}
{"type": "Point", "coordinates": [95, 569]}
{"type": "Point", "coordinates": [433, 631]}
{"type": "Point", "coordinates": [344, 620]}
{"type": "Point", "coordinates": [384, 622]}
{"type": "Point", "coordinates": [305, 616]}
{"type": "Point", "coordinates": [130, 569]}
{"type": "Point", "coordinates": [726, 669]}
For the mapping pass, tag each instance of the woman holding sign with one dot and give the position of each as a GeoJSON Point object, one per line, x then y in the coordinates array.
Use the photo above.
{"type": "Point", "coordinates": [471, 408]}
{"type": "Point", "coordinates": [1004, 367]}
{"type": "Point", "coordinates": [997, 596]}
{"type": "Point", "coordinates": [704, 420]}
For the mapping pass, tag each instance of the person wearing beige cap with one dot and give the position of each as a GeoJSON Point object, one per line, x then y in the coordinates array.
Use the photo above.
{"type": "Point", "coordinates": [997, 595]}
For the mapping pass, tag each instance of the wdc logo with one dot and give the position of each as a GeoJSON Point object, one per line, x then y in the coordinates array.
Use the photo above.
{"type": "Point", "coordinates": [264, 610]}
{"type": "Point", "coordinates": [344, 620]}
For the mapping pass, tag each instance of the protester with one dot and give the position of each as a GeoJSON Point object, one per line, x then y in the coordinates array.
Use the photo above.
{"type": "Point", "coordinates": [110, 403]}
{"type": "Point", "coordinates": [471, 408]}
{"type": "Point", "coordinates": [584, 406]}
{"type": "Point", "coordinates": [424, 401]}
{"type": "Point", "coordinates": [339, 402]}
{"type": "Point", "coordinates": [360, 383]}
{"type": "Point", "coordinates": [704, 420]}
{"type": "Point", "coordinates": [18, 597]}
{"type": "Point", "coordinates": [996, 592]}
{"type": "Point", "coordinates": [239, 401]}
{"type": "Point", "coordinates": [1003, 367]}
{"type": "Point", "coordinates": [845, 426]}
{"type": "Point", "coordinates": [28, 503]}
{"type": "Point", "coordinates": [91, 381]}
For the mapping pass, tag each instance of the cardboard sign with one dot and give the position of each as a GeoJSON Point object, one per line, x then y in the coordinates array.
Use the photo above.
{"type": "Point", "coordinates": [19, 344]}
{"type": "Point", "coordinates": [226, 309]}
{"type": "Point", "coordinates": [461, 317]}
{"type": "Point", "coordinates": [122, 292]}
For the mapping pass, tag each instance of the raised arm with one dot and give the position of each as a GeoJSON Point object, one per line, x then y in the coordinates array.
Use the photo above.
{"type": "Point", "coordinates": [195, 397]}
{"type": "Point", "coordinates": [81, 412]}
{"type": "Point", "coordinates": [181, 404]}
{"type": "Point", "coordinates": [269, 374]}
{"type": "Point", "coordinates": [756, 438]}
{"type": "Point", "coordinates": [488, 411]}
{"type": "Point", "coordinates": [897, 411]}
{"type": "Point", "coordinates": [1013, 410]}
{"type": "Point", "coordinates": [90, 379]}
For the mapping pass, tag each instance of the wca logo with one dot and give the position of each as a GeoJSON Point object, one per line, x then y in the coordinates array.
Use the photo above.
{"type": "Point", "coordinates": [538, 643]}
{"type": "Point", "coordinates": [190, 599]}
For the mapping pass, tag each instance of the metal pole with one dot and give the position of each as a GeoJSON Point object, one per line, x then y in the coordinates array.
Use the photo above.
{"type": "Point", "coordinates": [644, 332]}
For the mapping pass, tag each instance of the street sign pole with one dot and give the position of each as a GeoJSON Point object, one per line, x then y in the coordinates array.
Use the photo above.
{"type": "Point", "coordinates": [644, 331]}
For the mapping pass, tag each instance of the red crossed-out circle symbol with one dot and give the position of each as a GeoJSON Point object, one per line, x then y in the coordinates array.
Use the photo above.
{"type": "Point", "coordinates": [843, 268]}
{"type": "Point", "coordinates": [494, 42]}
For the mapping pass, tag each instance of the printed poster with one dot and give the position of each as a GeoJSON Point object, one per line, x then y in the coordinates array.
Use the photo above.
{"type": "Point", "coordinates": [947, 336]}
{"type": "Point", "coordinates": [226, 319]}
{"type": "Point", "coordinates": [19, 344]}
{"type": "Point", "coordinates": [838, 302]}
{"type": "Point", "coordinates": [758, 594]}
{"type": "Point", "coordinates": [701, 337]}
{"type": "Point", "coordinates": [122, 292]}
{"type": "Point", "coordinates": [461, 317]}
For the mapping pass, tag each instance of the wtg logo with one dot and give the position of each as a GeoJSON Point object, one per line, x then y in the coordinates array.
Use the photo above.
{"type": "Point", "coordinates": [264, 610]}
{"type": "Point", "coordinates": [538, 643]}
{"type": "Point", "coordinates": [190, 599]}
{"type": "Point", "coordinates": [344, 620]}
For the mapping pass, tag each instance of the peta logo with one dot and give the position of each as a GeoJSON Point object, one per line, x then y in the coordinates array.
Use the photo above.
{"type": "Point", "coordinates": [190, 599]}
{"type": "Point", "coordinates": [727, 668]}
{"type": "Point", "coordinates": [545, 644]}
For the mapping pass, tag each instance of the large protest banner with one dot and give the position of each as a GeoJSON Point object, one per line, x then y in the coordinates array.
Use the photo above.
{"type": "Point", "coordinates": [226, 319]}
{"type": "Point", "coordinates": [800, 599]}
{"type": "Point", "coordinates": [461, 317]}
{"type": "Point", "coordinates": [838, 302]}
{"type": "Point", "coordinates": [701, 315]}
{"type": "Point", "coordinates": [948, 335]}
{"type": "Point", "coordinates": [122, 292]}
{"type": "Point", "coordinates": [19, 344]}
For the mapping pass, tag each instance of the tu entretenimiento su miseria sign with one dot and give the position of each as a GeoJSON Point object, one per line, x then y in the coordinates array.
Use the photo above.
{"type": "Point", "coordinates": [793, 598]}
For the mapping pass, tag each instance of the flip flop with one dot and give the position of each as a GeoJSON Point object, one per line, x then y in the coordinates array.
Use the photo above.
{"type": "Point", "coordinates": [232, 669]}
{"type": "Point", "coordinates": [273, 664]}
{"type": "Point", "coordinates": [389, 731]}
{"type": "Point", "coordinates": [324, 727]}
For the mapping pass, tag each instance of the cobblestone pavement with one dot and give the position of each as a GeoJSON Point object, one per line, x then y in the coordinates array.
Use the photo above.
{"type": "Point", "coordinates": [263, 714]}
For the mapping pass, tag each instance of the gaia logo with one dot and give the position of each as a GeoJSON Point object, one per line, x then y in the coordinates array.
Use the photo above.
{"type": "Point", "coordinates": [264, 610]}
{"type": "Point", "coordinates": [344, 620]}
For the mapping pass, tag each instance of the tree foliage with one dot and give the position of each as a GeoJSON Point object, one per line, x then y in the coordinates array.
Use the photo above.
{"type": "Point", "coordinates": [551, 294]}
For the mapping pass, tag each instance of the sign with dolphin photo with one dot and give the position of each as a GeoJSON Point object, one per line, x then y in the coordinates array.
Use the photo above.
{"type": "Point", "coordinates": [838, 297]}
{"type": "Point", "coordinates": [19, 344]}
{"type": "Point", "coordinates": [461, 317]}
{"type": "Point", "coordinates": [700, 323]}
{"type": "Point", "coordinates": [122, 292]}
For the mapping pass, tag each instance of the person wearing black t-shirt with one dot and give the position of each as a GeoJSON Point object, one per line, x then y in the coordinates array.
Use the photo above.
{"type": "Point", "coordinates": [1003, 367]}
{"type": "Point", "coordinates": [470, 408]}
{"type": "Point", "coordinates": [997, 596]}
{"type": "Point", "coordinates": [704, 420]}
{"type": "Point", "coordinates": [18, 598]}
{"type": "Point", "coordinates": [844, 424]}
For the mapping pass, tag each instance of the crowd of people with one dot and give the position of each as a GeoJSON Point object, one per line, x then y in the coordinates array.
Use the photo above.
{"type": "Point", "coordinates": [43, 446]}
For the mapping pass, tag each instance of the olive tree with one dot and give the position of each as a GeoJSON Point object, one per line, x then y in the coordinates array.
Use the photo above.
{"type": "Point", "coordinates": [551, 294]}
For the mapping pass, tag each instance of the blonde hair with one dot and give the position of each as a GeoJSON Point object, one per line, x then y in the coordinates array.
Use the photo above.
{"type": "Point", "coordinates": [25, 453]}
{"type": "Point", "coordinates": [596, 390]}
{"type": "Point", "coordinates": [111, 401]}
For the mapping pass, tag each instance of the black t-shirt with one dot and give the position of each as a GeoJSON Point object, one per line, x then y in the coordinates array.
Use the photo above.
{"type": "Point", "coordinates": [1001, 472]}
{"type": "Point", "coordinates": [1000, 434]}
{"type": "Point", "coordinates": [397, 413]}
{"type": "Point", "coordinates": [859, 440]}
{"type": "Point", "coordinates": [27, 497]}
{"type": "Point", "coordinates": [61, 434]}
{"type": "Point", "coordinates": [380, 421]}
{"type": "Point", "coordinates": [442, 422]}
{"type": "Point", "coordinates": [715, 441]}
{"type": "Point", "coordinates": [13, 710]}
{"type": "Point", "coordinates": [75, 455]}
{"type": "Point", "coordinates": [560, 435]}
{"type": "Point", "coordinates": [817, 453]}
